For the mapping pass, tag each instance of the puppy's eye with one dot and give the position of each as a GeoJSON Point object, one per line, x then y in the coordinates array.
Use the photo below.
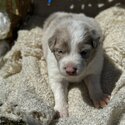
{"type": "Point", "coordinates": [59, 51]}
{"type": "Point", "coordinates": [84, 53]}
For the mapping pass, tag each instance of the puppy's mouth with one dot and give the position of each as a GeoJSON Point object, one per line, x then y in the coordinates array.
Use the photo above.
{"type": "Point", "coordinates": [73, 77]}
{"type": "Point", "coordinates": [70, 74]}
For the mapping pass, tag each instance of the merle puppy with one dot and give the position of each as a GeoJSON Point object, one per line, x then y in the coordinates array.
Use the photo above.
{"type": "Point", "coordinates": [72, 45]}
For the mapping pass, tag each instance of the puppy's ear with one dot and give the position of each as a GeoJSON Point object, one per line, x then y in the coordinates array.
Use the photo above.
{"type": "Point", "coordinates": [95, 38]}
{"type": "Point", "coordinates": [52, 42]}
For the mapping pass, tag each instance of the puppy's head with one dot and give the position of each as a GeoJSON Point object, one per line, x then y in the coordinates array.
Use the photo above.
{"type": "Point", "coordinates": [74, 47]}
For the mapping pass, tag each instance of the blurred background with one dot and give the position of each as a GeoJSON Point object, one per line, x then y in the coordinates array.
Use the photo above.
{"type": "Point", "coordinates": [25, 14]}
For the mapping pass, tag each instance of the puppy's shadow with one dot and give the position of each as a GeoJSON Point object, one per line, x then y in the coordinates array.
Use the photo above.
{"type": "Point", "coordinates": [110, 75]}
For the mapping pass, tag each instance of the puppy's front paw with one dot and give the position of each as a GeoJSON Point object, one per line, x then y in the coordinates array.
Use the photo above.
{"type": "Point", "coordinates": [61, 111]}
{"type": "Point", "coordinates": [101, 100]}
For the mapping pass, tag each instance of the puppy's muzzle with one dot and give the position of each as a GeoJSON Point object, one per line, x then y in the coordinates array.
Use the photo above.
{"type": "Point", "coordinates": [70, 69]}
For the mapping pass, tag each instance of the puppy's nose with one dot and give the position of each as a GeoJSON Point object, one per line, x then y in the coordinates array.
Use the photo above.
{"type": "Point", "coordinates": [70, 69]}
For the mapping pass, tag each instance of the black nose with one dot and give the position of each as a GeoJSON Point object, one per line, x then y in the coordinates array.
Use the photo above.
{"type": "Point", "coordinates": [71, 70]}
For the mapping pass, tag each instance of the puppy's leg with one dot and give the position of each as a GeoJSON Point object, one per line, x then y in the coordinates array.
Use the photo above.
{"type": "Point", "coordinates": [96, 94]}
{"type": "Point", "coordinates": [58, 85]}
{"type": "Point", "coordinates": [59, 88]}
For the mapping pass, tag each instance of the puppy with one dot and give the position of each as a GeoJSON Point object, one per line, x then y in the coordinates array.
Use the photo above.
{"type": "Point", "coordinates": [72, 45]}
